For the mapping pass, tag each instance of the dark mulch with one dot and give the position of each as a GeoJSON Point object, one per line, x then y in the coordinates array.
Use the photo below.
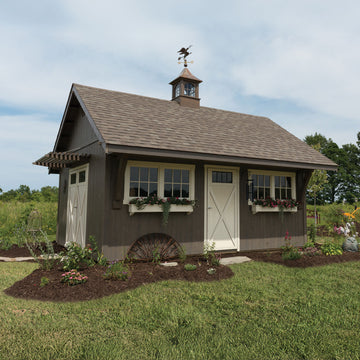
{"type": "Point", "coordinates": [16, 251]}
{"type": "Point", "coordinates": [96, 287]}
{"type": "Point", "coordinates": [144, 273]}
{"type": "Point", "coordinates": [304, 261]}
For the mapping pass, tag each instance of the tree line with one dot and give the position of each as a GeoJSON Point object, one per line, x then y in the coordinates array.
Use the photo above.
{"type": "Point", "coordinates": [344, 184]}
{"type": "Point", "coordinates": [25, 194]}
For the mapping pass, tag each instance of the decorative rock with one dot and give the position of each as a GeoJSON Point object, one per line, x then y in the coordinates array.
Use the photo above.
{"type": "Point", "coordinates": [174, 263]}
{"type": "Point", "coordinates": [350, 244]}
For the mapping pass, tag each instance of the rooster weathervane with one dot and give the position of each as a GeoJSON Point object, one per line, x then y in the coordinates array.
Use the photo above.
{"type": "Point", "coordinates": [184, 53]}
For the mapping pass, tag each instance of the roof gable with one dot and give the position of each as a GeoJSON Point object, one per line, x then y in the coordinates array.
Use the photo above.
{"type": "Point", "coordinates": [123, 119]}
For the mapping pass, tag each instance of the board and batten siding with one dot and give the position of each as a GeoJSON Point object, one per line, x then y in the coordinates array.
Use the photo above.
{"type": "Point", "coordinates": [267, 230]}
{"type": "Point", "coordinates": [122, 230]}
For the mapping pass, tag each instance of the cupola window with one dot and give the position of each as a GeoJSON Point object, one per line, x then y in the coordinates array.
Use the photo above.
{"type": "Point", "coordinates": [189, 89]}
{"type": "Point", "coordinates": [177, 90]}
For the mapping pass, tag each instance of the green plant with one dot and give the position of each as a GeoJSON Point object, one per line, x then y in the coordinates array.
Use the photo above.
{"type": "Point", "coordinates": [210, 256]}
{"type": "Point", "coordinates": [47, 258]}
{"type": "Point", "coordinates": [312, 232]}
{"type": "Point", "coordinates": [76, 257]}
{"type": "Point", "coordinates": [190, 267]}
{"type": "Point", "coordinates": [156, 256]}
{"type": "Point", "coordinates": [211, 271]}
{"type": "Point", "coordinates": [117, 270]}
{"type": "Point", "coordinates": [182, 254]}
{"type": "Point", "coordinates": [330, 248]}
{"type": "Point", "coordinates": [73, 277]}
{"type": "Point", "coordinates": [292, 253]}
{"type": "Point", "coordinates": [289, 252]}
{"type": "Point", "coordinates": [44, 281]}
{"type": "Point", "coordinates": [97, 254]}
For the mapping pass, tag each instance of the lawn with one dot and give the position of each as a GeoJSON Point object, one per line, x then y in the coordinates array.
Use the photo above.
{"type": "Point", "coordinates": [265, 311]}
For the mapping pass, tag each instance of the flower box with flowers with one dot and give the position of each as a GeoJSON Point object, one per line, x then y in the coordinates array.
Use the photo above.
{"type": "Point", "coordinates": [274, 205]}
{"type": "Point", "coordinates": [156, 204]}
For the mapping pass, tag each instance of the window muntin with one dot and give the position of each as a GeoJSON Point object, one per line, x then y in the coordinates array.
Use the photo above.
{"type": "Point", "coordinates": [176, 183]}
{"type": "Point", "coordinates": [177, 90]}
{"type": "Point", "coordinates": [73, 179]}
{"type": "Point", "coordinates": [82, 176]}
{"type": "Point", "coordinates": [261, 186]}
{"type": "Point", "coordinates": [224, 177]}
{"type": "Point", "coordinates": [189, 89]}
{"type": "Point", "coordinates": [143, 181]}
{"type": "Point", "coordinates": [164, 180]}
{"type": "Point", "coordinates": [282, 187]}
{"type": "Point", "coordinates": [272, 184]}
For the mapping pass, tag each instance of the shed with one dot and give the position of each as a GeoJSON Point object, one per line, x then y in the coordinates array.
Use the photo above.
{"type": "Point", "coordinates": [119, 154]}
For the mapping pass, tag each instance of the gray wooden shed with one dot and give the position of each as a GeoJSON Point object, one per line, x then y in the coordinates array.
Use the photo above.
{"type": "Point", "coordinates": [114, 147]}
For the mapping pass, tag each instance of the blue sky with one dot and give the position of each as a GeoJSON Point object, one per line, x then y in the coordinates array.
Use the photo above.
{"type": "Point", "coordinates": [295, 62]}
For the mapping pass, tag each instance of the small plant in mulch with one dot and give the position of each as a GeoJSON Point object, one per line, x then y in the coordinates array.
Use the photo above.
{"type": "Point", "coordinates": [44, 281]}
{"type": "Point", "coordinates": [211, 257]}
{"type": "Point", "coordinates": [289, 252]}
{"type": "Point", "coordinates": [73, 277]}
{"type": "Point", "coordinates": [189, 267]}
{"type": "Point", "coordinates": [117, 270]}
{"type": "Point", "coordinates": [211, 271]}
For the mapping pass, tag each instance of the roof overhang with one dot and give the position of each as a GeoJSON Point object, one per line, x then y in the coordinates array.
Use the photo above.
{"type": "Point", "coordinates": [59, 160]}
{"type": "Point", "coordinates": [217, 158]}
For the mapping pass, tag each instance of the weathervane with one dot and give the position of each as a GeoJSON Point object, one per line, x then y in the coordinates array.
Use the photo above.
{"type": "Point", "coordinates": [184, 53]}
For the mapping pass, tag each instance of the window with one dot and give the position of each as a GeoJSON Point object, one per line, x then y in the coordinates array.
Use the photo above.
{"type": "Point", "coordinates": [222, 177]}
{"type": "Point", "coordinates": [143, 181]}
{"type": "Point", "coordinates": [176, 183]}
{"type": "Point", "coordinates": [164, 180]}
{"type": "Point", "coordinates": [271, 184]}
{"type": "Point", "coordinates": [189, 89]}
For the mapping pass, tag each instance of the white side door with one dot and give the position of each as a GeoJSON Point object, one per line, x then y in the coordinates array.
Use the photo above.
{"type": "Point", "coordinates": [222, 208]}
{"type": "Point", "coordinates": [77, 205]}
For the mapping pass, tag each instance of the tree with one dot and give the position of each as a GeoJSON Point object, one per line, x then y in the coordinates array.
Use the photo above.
{"type": "Point", "coordinates": [316, 183]}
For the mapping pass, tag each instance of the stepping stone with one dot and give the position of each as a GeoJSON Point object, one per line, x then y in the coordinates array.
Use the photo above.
{"type": "Point", "coordinates": [234, 260]}
{"type": "Point", "coordinates": [174, 263]}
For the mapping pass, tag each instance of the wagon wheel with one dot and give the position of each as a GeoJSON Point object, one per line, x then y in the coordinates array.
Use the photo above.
{"type": "Point", "coordinates": [145, 247]}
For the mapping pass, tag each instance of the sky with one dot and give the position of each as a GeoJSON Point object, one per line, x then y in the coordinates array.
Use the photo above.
{"type": "Point", "coordinates": [296, 62]}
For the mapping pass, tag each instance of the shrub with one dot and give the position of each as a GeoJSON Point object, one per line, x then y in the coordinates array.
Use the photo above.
{"type": "Point", "coordinates": [47, 259]}
{"type": "Point", "coordinates": [73, 277]}
{"type": "Point", "coordinates": [117, 270]}
{"type": "Point", "coordinates": [330, 248]}
{"type": "Point", "coordinates": [76, 257]}
{"type": "Point", "coordinates": [97, 254]}
{"type": "Point", "coordinates": [189, 267]}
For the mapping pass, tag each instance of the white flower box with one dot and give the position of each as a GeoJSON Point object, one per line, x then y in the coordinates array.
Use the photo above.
{"type": "Point", "coordinates": [158, 208]}
{"type": "Point", "coordinates": [259, 208]}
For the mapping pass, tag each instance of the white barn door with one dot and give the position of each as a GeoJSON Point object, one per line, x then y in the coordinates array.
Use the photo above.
{"type": "Point", "coordinates": [222, 208]}
{"type": "Point", "coordinates": [77, 205]}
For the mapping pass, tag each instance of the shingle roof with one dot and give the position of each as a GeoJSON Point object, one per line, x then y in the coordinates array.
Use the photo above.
{"type": "Point", "coordinates": [144, 122]}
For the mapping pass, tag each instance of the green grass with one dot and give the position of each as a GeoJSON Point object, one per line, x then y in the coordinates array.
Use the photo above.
{"type": "Point", "coordinates": [265, 311]}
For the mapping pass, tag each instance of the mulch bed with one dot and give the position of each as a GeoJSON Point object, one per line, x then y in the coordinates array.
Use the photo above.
{"type": "Point", "coordinates": [96, 287]}
{"type": "Point", "coordinates": [16, 251]}
{"type": "Point", "coordinates": [143, 273]}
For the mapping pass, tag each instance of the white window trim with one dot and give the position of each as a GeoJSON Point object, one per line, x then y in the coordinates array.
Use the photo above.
{"type": "Point", "coordinates": [161, 167]}
{"type": "Point", "coordinates": [272, 174]}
